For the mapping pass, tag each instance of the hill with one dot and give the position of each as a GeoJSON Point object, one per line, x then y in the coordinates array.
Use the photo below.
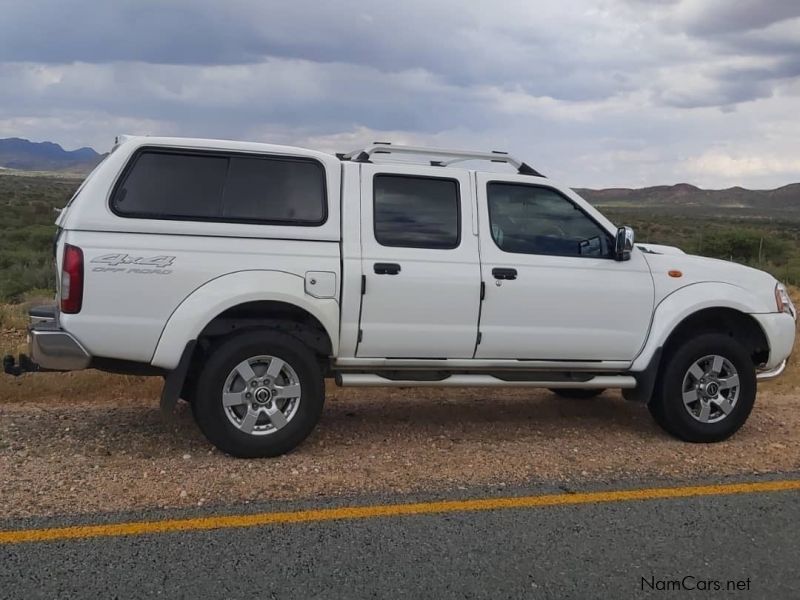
{"type": "Point", "coordinates": [24, 155]}
{"type": "Point", "coordinates": [686, 199]}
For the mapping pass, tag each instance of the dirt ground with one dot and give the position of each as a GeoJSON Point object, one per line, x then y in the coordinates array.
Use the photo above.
{"type": "Point", "coordinates": [92, 442]}
{"type": "Point", "coordinates": [119, 453]}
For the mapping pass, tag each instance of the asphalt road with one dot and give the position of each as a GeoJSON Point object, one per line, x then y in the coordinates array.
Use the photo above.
{"type": "Point", "coordinates": [609, 548]}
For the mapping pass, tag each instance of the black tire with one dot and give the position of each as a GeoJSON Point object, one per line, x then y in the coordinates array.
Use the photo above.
{"type": "Point", "coordinates": [211, 415]}
{"type": "Point", "coordinates": [667, 404]}
{"type": "Point", "coordinates": [577, 393]}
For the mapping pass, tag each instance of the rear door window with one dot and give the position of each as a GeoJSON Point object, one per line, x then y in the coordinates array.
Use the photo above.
{"type": "Point", "coordinates": [417, 212]}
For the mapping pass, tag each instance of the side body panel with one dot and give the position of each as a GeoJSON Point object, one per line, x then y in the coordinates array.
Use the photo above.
{"type": "Point", "coordinates": [127, 305]}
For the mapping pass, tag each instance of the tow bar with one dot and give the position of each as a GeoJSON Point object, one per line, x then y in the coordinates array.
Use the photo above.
{"type": "Point", "coordinates": [16, 367]}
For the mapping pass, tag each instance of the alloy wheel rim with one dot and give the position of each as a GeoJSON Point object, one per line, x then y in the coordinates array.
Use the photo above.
{"type": "Point", "coordinates": [261, 395]}
{"type": "Point", "coordinates": [710, 388]}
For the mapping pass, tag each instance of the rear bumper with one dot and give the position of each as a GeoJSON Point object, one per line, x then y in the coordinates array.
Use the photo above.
{"type": "Point", "coordinates": [50, 348]}
{"type": "Point", "coordinates": [53, 349]}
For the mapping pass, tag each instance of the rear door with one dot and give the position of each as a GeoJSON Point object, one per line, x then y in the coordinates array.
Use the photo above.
{"type": "Point", "coordinates": [420, 263]}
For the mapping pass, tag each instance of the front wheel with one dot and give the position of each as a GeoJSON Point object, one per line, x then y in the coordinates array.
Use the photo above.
{"type": "Point", "coordinates": [260, 394]}
{"type": "Point", "coordinates": [706, 390]}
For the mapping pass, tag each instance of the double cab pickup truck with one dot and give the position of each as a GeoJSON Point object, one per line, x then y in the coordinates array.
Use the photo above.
{"type": "Point", "coordinates": [245, 274]}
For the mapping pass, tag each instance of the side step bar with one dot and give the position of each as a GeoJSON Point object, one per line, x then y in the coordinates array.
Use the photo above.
{"type": "Point", "coordinates": [466, 380]}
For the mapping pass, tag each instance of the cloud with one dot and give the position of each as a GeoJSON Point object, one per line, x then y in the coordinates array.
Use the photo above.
{"type": "Point", "coordinates": [719, 164]}
{"type": "Point", "coordinates": [596, 93]}
{"type": "Point", "coordinates": [713, 17]}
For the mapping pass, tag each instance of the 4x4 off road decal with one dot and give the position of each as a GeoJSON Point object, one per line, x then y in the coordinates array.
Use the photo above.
{"type": "Point", "coordinates": [125, 263]}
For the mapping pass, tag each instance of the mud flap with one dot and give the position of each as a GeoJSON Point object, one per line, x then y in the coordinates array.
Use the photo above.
{"type": "Point", "coordinates": [645, 380]}
{"type": "Point", "coordinates": [173, 382]}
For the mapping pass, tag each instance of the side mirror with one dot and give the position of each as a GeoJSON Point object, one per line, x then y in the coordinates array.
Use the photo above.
{"type": "Point", "coordinates": [624, 244]}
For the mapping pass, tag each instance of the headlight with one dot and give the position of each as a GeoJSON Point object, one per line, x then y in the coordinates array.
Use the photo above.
{"type": "Point", "coordinates": [783, 301]}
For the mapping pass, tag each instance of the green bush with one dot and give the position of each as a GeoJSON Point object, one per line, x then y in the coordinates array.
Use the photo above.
{"type": "Point", "coordinates": [746, 246]}
{"type": "Point", "coordinates": [27, 229]}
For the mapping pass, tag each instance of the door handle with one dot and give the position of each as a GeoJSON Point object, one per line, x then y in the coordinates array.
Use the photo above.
{"type": "Point", "coordinates": [387, 268]}
{"type": "Point", "coordinates": [504, 273]}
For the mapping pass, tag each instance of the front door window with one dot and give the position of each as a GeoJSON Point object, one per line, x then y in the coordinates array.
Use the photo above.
{"type": "Point", "coordinates": [528, 219]}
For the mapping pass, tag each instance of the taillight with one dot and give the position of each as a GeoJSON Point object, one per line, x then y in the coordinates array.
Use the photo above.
{"type": "Point", "coordinates": [72, 280]}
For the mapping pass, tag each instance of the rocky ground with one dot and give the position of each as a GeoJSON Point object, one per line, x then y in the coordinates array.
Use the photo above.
{"type": "Point", "coordinates": [119, 453]}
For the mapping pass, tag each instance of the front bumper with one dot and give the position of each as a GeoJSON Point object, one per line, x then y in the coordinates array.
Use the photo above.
{"type": "Point", "coordinates": [780, 329]}
{"type": "Point", "coordinates": [764, 374]}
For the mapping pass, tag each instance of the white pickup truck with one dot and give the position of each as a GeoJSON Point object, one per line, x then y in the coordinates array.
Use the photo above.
{"type": "Point", "coordinates": [246, 273]}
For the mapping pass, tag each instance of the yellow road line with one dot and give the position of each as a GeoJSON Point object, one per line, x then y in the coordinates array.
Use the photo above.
{"type": "Point", "coordinates": [387, 510]}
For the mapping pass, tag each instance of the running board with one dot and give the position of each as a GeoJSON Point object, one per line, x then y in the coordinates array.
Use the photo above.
{"type": "Point", "coordinates": [466, 380]}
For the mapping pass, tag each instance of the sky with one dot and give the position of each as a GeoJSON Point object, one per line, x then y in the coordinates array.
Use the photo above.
{"type": "Point", "coordinates": [604, 93]}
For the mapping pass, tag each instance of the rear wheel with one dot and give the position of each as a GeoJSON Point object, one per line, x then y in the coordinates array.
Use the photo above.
{"type": "Point", "coordinates": [259, 394]}
{"type": "Point", "coordinates": [706, 390]}
{"type": "Point", "coordinates": [577, 393]}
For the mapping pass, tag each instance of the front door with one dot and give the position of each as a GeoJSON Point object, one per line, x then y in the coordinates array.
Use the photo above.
{"type": "Point", "coordinates": [553, 288]}
{"type": "Point", "coordinates": [420, 263]}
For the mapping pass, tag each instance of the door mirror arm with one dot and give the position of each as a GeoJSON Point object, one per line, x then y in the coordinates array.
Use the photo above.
{"type": "Point", "coordinates": [624, 244]}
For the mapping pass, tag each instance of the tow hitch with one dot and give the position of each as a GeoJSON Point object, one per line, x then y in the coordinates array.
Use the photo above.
{"type": "Point", "coordinates": [17, 367]}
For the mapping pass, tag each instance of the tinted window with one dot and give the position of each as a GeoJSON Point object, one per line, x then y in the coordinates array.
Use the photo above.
{"type": "Point", "coordinates": [416, 212]}
{"type": "Point", "coordinates": [216, 187]}
{"type": "Point", "coordinates": [172, 185]}
{"type": "Point", "coordinates": [535, 220]}
{"type": "Point", "coordinates": [274, 190]}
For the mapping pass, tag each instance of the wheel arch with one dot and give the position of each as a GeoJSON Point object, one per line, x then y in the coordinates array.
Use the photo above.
{"type": "Point", "coordinates": [695, 309]}
{"type": "Point", "coordinates": [270, 314]}
{"type": "Point", "coordinates": [704, 305]}
{"type": "Point", "coordinates": [725, 320]}
{"type": "Point", "coordinates": [258, 298]}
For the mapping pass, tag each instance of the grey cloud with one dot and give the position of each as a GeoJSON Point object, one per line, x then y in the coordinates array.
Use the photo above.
{"type": "Point", "coordinates": [590, 91]}
{"type": "Point", "coordinates": [723, 94]}
{"type": "Point", "coordinates": [780, 69]}
{"type": "Point", "coordinates": [462, 44]}
{"type": "Point", "coordinates": [712, 17]}
{"type": "Point", "coordinates": [728, 86]}
{"type": "Point", "coordinates": [50, 31]}
{"type": "Point", "coordinates": [292, 93]}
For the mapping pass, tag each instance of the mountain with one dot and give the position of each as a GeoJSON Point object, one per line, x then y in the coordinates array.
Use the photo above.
{"type": "Point", "coordinates": [687, 199]}
{"type": "Point", "coordinates": [681, 199]}
{"type": "Point", "coordinates": [24, 155]}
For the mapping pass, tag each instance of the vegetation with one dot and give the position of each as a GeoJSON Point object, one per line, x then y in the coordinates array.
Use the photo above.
{"type": "Point", "coordinates": [27, 212]}
{"type": "Point", "coordinates": [771, 245]}
{"type": "Point", "coordinates": [766, 236]}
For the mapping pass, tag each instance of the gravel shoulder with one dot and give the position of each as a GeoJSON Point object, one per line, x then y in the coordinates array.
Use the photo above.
{"type": "Point", "coordinates": [102, 445]}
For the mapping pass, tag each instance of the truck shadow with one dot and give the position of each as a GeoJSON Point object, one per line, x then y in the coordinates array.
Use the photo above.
{"type": "Point", "coordinates": [481, 409]}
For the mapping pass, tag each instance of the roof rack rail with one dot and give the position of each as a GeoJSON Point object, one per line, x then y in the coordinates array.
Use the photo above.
{"type": "Point", "coordinates": [444, 156]}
